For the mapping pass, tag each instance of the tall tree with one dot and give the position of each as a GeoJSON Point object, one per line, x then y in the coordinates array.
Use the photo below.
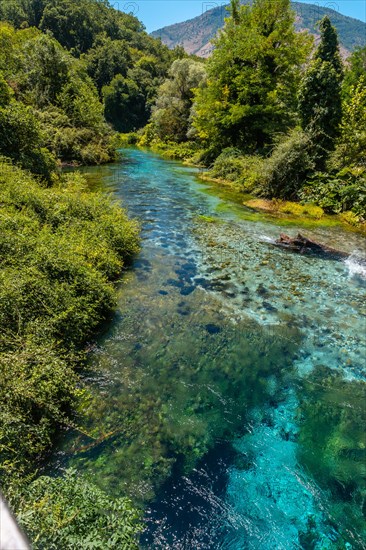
{"type": "Point", "coordinates": [252, 77]}
{"type": "Point", "coordinates": [351, 146]}
{"type": "Point", "coordinates": [328, 49]}
{"type": "Point", "coordinates": [356, 69]}
{"type": "Point", "coordinates": [172, 111]}
{"type": "Point", "coordinates": [320, 105]}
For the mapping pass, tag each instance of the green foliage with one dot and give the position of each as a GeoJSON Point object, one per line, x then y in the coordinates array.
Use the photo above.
{"type": "Point", "coordinates": [252, 78]}
{"type": "Point", "coordinates": [124, 104]}
{"type": "Point", "coordinates": [231, 165]}
{"type": "Point", "coordinates": [320, 106]}
{"type": "Point", "coordinates": [341, 192]}
{"type": "Point", "coordinates": [72, 512]}
{"type": "Point", "coordinates": [60, 248]}
{"type": "Point", "coordinates": [287, 168]}
{"type": "Point", "coordinates": [108, 59]}
{"type": "Point", "coordinates": [356, 69]}
{"type": "Point", "coordinates": [37, 391]}
{"type": "Point", "coordinates": [77, 24]}
{"type": "Point", "coordinates": [22, 13]}
{"type": "Point", "coordinates": [177, 151]}
{"type": "Point", "coordinates": [21, 140]}
{"type": "Point", "coordinates": [351, 146]}
{"type": "Point", "coordinates": [55, 105]}
{"type": "Point", "coordinates": [171, 114]}
{"type": "Point", "coordinates": [116, 56]}
{"type": "Point", "coordinates": [43, 69]}
{"type": "Point", "coordinates": [328, 49]}
{"type": "Point", "coordinates": [5, 92]}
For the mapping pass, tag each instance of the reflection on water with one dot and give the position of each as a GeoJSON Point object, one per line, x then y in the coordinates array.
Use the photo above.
{"type": "Point", "coordinates": [228, 394]}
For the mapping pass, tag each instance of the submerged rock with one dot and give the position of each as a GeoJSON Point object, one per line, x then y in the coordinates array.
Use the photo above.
{"type": "Point", "coordinates": [304, 245]}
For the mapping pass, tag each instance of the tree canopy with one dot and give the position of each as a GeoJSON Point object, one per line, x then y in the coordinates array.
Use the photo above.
{"type": "Point", "coordinates": [252, 77]}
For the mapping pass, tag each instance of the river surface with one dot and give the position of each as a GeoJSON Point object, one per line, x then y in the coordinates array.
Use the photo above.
{"type": "Point", "coordinates": [228, 392]}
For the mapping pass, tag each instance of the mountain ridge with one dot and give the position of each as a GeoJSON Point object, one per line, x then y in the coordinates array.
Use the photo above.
{"type": "Point", "coordinates": [195, 34]}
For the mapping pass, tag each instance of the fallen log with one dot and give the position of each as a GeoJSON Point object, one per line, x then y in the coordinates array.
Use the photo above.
{"type": "Point", "coordinates": [303, 245]}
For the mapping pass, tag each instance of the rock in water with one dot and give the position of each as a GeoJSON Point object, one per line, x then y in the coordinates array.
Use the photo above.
{"type": "Point", "coordinates": [303, 245]}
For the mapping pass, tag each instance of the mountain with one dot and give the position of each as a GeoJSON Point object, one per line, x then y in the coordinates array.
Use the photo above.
{"type": "Point", "coordinates": [195, 35]}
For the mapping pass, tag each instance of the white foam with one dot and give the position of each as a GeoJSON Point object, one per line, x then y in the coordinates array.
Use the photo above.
{"type": "Point", "coordinates": [266, 239]}
{"type": "Point", "coordinates": [356, 264]}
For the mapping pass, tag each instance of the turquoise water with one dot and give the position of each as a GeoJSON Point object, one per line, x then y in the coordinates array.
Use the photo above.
{"type": "Point", "coordinates": [228, 393]}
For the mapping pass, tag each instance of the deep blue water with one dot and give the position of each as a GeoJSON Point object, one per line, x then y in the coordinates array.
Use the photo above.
{"type": "Point", "coordinates": [229, 389]}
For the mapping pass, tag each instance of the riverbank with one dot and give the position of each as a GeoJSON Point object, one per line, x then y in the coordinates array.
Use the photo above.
{"type": "Point", "coordinates": [64, 247]}
{"type": "Point", "coordinates": [243, 189]}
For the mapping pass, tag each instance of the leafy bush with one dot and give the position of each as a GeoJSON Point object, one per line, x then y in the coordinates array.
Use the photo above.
{"type": "Point", "coordinates": [288, 167]}
{"type": "Point", "coordinates": [231, 165]}
{"type": "Point", "coordinates": [148, 136]}
{"type": "Point", "coordinates": [338, 192]}
{"type": "Point", "coordinates": [60, 248]}
{"type": "Point", "coordinates": [71, 512]}
{"type": "Point", "coordinates": [176, 151]}
{"type": "Point", "coordinates": [228, 165]}
{"type": "Point", "coordinates": [37, 391]}
{"type": "Point", "coordinates": [21, 140]}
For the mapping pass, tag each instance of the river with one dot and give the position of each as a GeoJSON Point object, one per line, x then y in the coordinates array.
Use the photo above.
{"type": "Point", "coordinates": [228, 392]}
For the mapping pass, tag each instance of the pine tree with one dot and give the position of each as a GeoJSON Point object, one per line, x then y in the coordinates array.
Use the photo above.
{"type": "Point", "coordinates": [320, 104]}
{"type": "Point", "coordinates": [328, 49]}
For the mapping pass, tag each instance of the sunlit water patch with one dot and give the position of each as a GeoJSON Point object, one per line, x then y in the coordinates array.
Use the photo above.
{"type": "Point", "coordinates": [227, 395]}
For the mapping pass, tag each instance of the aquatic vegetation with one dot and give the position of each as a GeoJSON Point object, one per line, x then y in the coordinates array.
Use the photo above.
{"type": "Point", "coordinates": [169, 406]}
{"type": "Point", "coordinates": [208, 219]}
{"type": "Point", "coordinates": [332, 416]}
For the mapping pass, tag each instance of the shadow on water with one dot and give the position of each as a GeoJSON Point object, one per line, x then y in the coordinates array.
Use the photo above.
{"type": "Point", "coordinates": [190, 512]}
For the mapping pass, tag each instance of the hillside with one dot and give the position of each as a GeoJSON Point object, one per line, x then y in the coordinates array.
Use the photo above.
{"type": "Point", "coordinates": [195, 34]}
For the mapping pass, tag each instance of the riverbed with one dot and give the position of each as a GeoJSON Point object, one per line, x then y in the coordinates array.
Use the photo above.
{"type": "Point", "coordinates": [228, 392]}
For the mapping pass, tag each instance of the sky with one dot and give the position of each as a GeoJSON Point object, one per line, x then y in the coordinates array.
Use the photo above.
{"type": "Point", "coordinates": [156, 14]}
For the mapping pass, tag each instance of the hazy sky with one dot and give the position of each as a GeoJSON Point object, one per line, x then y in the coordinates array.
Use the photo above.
{"type": "Point", "coordinates": [158, 13]}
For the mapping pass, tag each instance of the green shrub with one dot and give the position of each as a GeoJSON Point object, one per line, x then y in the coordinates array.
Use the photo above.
{"type": "Point", "coordinates": [148, 136]}
{"type": "Point", "coordinates": [228, 165]}
{"type": "Point", "coordinates": [288, 167]}
{"type": "Point", "coordinates": [61, 247]}
{"type": "Point", "coordinates": [37, 392]}
{"type": "Point", "coordinates": [21, 140]}
{"type": "Point", "coordinates": [231, 165]}
{"type": "Point", "coordinates": [72, 512]}
{"type": "Point", "coordinates": [337, 193]}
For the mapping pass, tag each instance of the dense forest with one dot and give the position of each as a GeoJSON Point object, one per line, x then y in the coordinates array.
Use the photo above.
{"type": "Point", "coordinates": [271, 113]}
{"type": "Point", "coordinates": [268, 113]}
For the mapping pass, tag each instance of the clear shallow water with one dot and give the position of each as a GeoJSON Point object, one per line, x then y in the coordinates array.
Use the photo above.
{"type": "Point", "coordinates": [228, 393]}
